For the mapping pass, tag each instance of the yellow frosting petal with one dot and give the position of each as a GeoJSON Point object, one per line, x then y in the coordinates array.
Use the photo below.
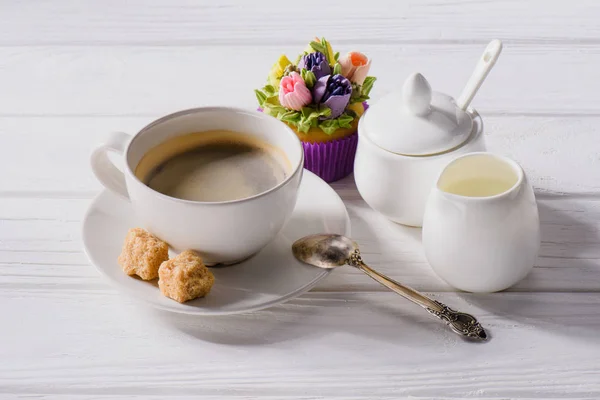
{"type": "Point", "coordinates": [277, 70]}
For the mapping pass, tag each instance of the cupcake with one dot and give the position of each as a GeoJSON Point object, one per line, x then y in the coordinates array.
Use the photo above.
{"type": "Point", "coordinates": [321, 97]}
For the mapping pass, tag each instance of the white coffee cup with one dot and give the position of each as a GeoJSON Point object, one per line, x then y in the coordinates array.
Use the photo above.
{"type": "Point", "coordinates": [222, 232]}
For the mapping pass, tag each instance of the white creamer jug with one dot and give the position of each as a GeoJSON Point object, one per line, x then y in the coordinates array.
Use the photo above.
{"type": "Point", "coordinates": [481, 230]}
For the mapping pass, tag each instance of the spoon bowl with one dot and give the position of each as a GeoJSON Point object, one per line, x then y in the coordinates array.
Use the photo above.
{"type": "Point", "coordinates": [324, 251]}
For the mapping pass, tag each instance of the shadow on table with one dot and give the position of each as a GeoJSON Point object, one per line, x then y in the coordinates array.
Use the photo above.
{"type": "Point", "coordinates": [396, 322]}
{"type": "Point", "coordinates": [312, 316]}
{"type": "Point", "coordinates": [570, 246]}
{"type": "Point", "coordinates": [553, 309]}
{"type": "Point", "coordinates": [277, 324]}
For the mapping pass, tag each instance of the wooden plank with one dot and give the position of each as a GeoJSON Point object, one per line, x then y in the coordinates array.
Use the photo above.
{"type": "Point", "coordinates": [256, 23]}
{"type": "Point", "coordinates": [147, 81]}
{"type": "Point", "coordinates": [40, 245]}
{"type": "Point", "coordinates": [286, 396]}
{"type": "Point", "coordinates": [335, 345]}
{"type": "Point", "coordinates": [555, 152]}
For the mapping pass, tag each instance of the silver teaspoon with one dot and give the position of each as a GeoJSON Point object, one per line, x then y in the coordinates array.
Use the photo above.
{"type": "Point", "coordinates": [332, 251]}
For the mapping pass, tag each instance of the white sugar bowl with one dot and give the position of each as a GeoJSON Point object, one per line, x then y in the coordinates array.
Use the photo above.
{"type": "Point", "coordinates": [409, 136]}
{"type": "Point", "coordinates": [404, 142]}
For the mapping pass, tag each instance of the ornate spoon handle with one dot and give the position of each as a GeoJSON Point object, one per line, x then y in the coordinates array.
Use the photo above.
{"type": "Point", "coordinates": [460, 323]}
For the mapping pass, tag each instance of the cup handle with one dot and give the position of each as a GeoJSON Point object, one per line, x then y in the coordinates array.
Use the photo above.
{"type": "Point", "coordinates": [106, 172]}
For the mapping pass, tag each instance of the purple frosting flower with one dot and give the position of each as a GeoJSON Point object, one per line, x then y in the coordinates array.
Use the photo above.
{"type": "Point", "coordinates": [334, 92]}
{"type": "Point", "coordinates": [316, 63]}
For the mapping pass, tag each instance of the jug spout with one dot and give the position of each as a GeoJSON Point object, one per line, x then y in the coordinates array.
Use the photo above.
{"type": "Point", "coordinates": [480, 176]}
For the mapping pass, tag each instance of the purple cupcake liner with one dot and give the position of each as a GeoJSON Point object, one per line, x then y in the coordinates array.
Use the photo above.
{"type": "Point", "coordinates": [331, 161]}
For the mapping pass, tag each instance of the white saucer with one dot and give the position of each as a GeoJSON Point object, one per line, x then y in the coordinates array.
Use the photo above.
{"type": "Point", "coordinates": [270, 277]}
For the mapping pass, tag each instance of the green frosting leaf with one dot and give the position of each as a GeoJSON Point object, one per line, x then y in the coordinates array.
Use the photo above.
{"type": "Point", "coordinates": [260, 96]}
{"type": "Point", "coordinates": [306, 111]}
{"type": "Point", "coordinates": [345, 120]}
{"type": "Point", "coordinates": [273, 101]}
{"type": "Point", "coordinates": [272, 107]}
{"type": "Point", "coordinates": [367, 85]}
{"type": "Point", "coordinates": [337, 69]}
{"type": "Point", "coordinates": [329, 126]}
{"type": "Point", "coordinates": [267, 110]}
{"type": "Point", "coordinates": [273, 111]}
{"type": "Point", "coordinates": [327, 46]}
{"type": "Point", "coordinates": [316, 46]}
{"type": "Point", "coordinates": [270, 90]}
{"type": "Point", "coordinates": [325, 111]}
{"type": "Point", "coordinates": [356, 96]}
{"type": "Point", "coordinates": [359, 99]}
{"type": "Point", "coordinates": [268, 99]}
{"type": "Point", "coordinates": [310, 115]}
{"type": "Point", "coordinates": [361, 93]}
{"type": "Point", "coordinates": [309, 78]}
{"type": "Point", "coordinates": [303, 126]}
{"type": "Point", "coordinates": [336, 55]}
{"type": "Point", "coordinates": [291, 116]}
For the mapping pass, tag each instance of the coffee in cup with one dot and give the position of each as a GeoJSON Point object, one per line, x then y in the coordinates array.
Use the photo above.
{"type": "Point", "coordinates": [213, 166]}
{"type": "Point", "coordinates": [221, 181]}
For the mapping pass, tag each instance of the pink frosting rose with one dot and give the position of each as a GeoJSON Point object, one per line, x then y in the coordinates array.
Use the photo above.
{"type": "Point", "coordinates": [293, 93]}
{"type": "Point", "coordinates": [355, 66]}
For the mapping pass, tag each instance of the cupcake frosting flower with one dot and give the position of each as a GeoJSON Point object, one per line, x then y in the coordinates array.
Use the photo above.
{"type": "Point", "coordinates": [319, 90]}
{"type": "Point", "coordinates": [333, 91]}
{"type": "Point", "coordinates": [355, 66]}
{"type": "Point", "coordinates": [293, 93]}
{"type": "Point", "coordinates": [316, 63]}
{"type": "Point", "coordinates": [278, 69]}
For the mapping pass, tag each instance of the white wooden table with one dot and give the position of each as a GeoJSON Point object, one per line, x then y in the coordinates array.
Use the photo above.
{"type": "Point", "coordinates": [72, 71]}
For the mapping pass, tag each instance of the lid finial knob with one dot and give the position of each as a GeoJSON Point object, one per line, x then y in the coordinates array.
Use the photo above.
{"type": "Point", "coordinates": [416, 94]}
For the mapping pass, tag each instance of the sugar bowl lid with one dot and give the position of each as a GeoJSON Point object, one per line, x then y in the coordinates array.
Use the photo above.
{"type": "Point", "coordinates": [417, 121]}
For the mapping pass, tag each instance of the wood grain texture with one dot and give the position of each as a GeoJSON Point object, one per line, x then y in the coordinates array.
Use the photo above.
{"type": "Point", "coordinates": [39, 245]}
{"type": "Point", "coordinates": [72, 71]}
{"type": "Point", "coordinates": [166, 22]}
{"type": "Point", "coordinates": [150, 81]}
{"type": "Point", "coordinates": [554, 151]}
{"type": "Point", "coordinates": [395, 351]}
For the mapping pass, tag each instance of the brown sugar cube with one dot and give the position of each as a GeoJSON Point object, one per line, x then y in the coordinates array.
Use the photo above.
{"type": "Point", "coordinates": [142, 254]}
{"type": "Point", "coordinates": [185, 277]}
